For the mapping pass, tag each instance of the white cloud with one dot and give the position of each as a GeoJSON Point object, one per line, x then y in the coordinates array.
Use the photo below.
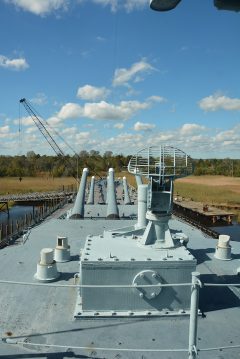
{"type": "Point", "coordinates": [131, 5]}
{"type": "Point", "coordinates": [25, 121]}
{"type": "Point", "coordinates": [123, 76]}
{"type": "Point", "coordinates": [218, 102]}
{"type": "Point", "coordinates": [229, 135]}
{"type": "Point", "coordinates": [4, 132]}
{"type": "Point", "coordinates": [54, 121]}
{"type": "Point", "coordinates": [40, 7]}
{"type": "Point", "coordinates": [69, 131]}
{"type": "Point", "coordinates": [191, 128]}
{"type": "Point", "coordinates": [4, 129]}
{"type": "Point", "coordinates": [140, 126]}
{"type": "Point", "coordinates": [128, 5]}
{"type": "Point", "coordinates": [100, 39]}
{"type": "Point", "coordinates": [70, 110]}
{"type": "Point", "coordinates": [156, 99]}
{"type": "Point", "coordinates": [13, 64]}
{"type": "Point", "coordinates": [31, 130]}
{"type": "Point", "coordinates": [40, 99]}
{"type": "Point", "coordinates": [92, 93]}
{"type": "Point", "coordinates": [119, 126]}
{"type": "Point", "coordinates": [112, 3]}
{"type": "Point", "coordinates": [123, 143]}
{"type": "Point", "coordinates": [103, 110]}
{"type": "Point", "coordinates": [82, 135]}
{"type": "Point", "coordinates": [107, 111]}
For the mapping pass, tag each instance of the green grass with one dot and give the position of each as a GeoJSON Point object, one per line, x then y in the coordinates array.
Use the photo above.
{"type": "Point", "coordinates": [208, 194]}
{"type": "Point", "coordinates": [12, 185]}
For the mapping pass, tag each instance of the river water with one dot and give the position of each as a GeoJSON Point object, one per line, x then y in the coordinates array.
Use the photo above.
{"type": "Point", "coordinates": [16, 213]}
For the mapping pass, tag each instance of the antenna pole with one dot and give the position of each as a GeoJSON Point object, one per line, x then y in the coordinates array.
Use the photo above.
{"type": "Point", "coordinates": [193, 316]}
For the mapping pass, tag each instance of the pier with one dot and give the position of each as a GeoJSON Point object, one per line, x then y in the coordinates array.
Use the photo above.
{"type": "Point", "coordinates": [202, 213]}
{"type": "Point", "coordinates": [44, 204]}
{"type": "Point", "coordinates": [36, 197]}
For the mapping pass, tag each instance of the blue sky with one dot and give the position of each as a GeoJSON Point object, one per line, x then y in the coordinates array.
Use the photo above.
{"type": "Point", "coordinates": [115, 75]}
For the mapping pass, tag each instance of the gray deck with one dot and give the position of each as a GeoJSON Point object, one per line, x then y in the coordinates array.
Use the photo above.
{"type": "Point", "coordinates": [44, 315]}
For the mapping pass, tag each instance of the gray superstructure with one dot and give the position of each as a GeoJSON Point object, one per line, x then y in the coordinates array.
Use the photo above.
{"type": "Point", "coordinates": [115, 297]}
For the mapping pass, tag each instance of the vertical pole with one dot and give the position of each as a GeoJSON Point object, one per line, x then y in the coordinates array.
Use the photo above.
{"type": "Point", "coordinates": [142, 205]}
{"type": "Point", "coordinates": [106, 199]}
{"type": "Point", "coordinates": [138, 179]}
{"type": "Point", "coordinates": [91, 192]}
{"type": "Point", "coordinates": [78, 208]}
{"type": "Point", "coordinates": [6, 230]}
{"type": "Point", "coordinates": [193, 316]}
{"type": "Point", "coordinates": [112, 207]}
{"type": "Point", "coordinates": [127, 199]}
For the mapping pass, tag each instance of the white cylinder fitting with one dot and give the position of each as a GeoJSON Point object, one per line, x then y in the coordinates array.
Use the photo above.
{"type": "Point", "coordinates": [62, 242]}
{"type": "Point", "coordinates": [223, 249]}
{"type": "Point", "coordinates": [46, 267]}
{"type": "Point", "coordinates": [223, 241]}
{"type": "Point", "coordinates": [62, 250]}
{"type": "Point", "coordinates": [46, 256]}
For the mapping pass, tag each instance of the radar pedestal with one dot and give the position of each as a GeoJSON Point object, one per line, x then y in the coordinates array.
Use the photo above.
{"type": "Point", "coordinates": [124, 260]}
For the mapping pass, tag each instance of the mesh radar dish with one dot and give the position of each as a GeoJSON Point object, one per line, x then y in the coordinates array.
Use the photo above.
{"type": "Point", "coordinates": [161, 161]}
{"type": "Point", "coordinates": [161, 165]}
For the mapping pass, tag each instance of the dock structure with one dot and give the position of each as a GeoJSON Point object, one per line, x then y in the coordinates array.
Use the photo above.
{"type": "Point", "coordinates": [4, 207]}
{"type": "Point", "coordinates": [202, 213]}
{"type": "Point", "coordinates": [35, 197]}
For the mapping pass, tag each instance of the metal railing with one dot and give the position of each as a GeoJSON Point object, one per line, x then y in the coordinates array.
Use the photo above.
{"type": "Point", "coordinates": [193, 350]}
{"type": "Point", "coordinates": [12, 230]}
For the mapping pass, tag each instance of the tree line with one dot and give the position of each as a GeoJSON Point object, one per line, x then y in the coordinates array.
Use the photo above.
{"type": "Point", "coordinates": [33, 165]}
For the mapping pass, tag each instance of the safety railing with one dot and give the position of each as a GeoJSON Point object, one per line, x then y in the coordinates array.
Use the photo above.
{"type": "Point", "coordinates": [192, 351]}
{"type": "Point", "coordinates": [12, 230]}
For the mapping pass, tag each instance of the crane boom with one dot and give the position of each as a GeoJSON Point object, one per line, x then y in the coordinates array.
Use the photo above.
{"type": "Point", "coordinates": [47, 135]}
{"type": "Point", "coordinates": [49, 138]}
{"type": "Point", "coordinates": [42, 127]}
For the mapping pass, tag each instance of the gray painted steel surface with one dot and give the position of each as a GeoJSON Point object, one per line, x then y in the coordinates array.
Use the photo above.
{"type": "Point", "coordinates": [91, 192]}
{"type": "Point", "coordinates": [78, 208]}
{"type": "Point", "coordinates": [44, 314]}
{"type": "Point", "coordinates": [112, 208]}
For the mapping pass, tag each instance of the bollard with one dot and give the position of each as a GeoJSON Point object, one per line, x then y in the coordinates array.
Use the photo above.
{"type": "Point", "coordinates": [192, 346]}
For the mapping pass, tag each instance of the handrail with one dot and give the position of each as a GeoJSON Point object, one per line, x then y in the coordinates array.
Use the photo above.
{"type": "Point", "coordinates": [192, 351]}
{"type": "Point", "coordinates": [2, 281]}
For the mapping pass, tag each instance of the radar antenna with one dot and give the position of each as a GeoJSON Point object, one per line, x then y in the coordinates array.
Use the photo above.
{"type": "Point", "coordinates": [160, 165]}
